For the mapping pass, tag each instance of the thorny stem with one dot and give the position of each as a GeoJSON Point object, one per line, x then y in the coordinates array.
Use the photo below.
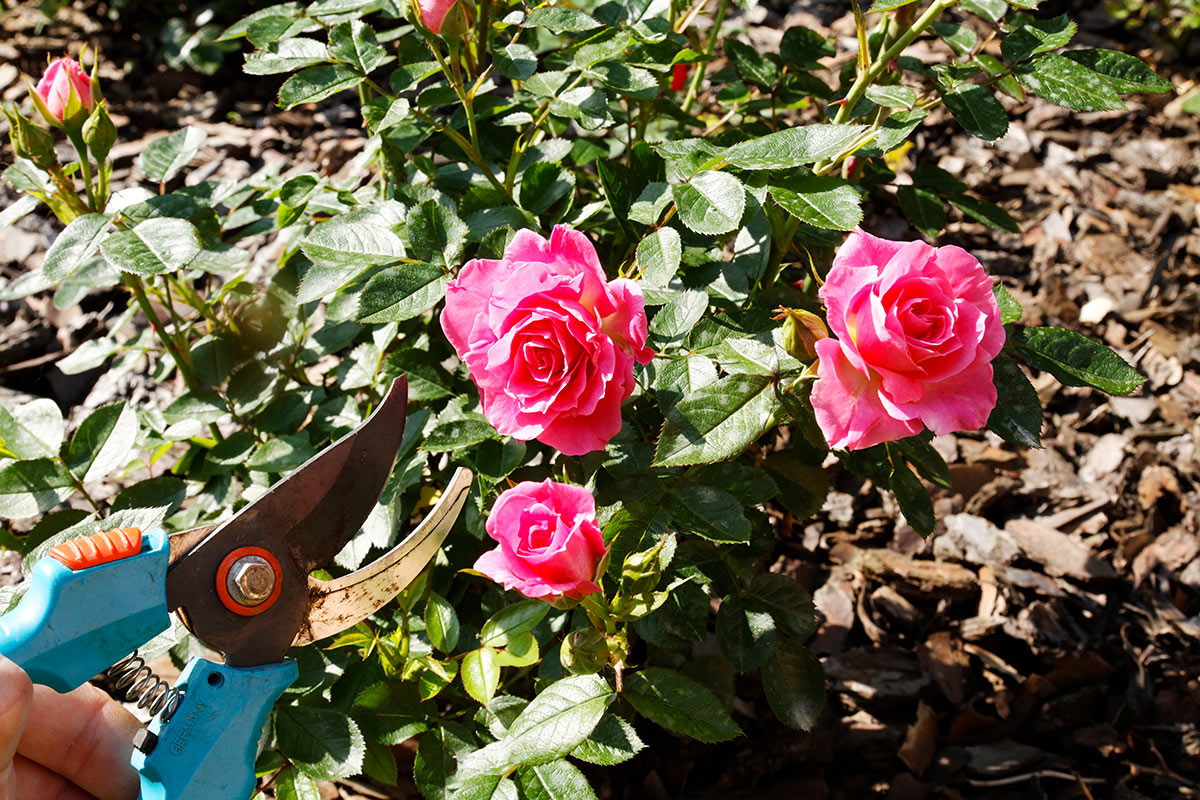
{"type": "Point", "coordinates": [177, 351]}
{"type": "Point", "coordinates": [698, 78]}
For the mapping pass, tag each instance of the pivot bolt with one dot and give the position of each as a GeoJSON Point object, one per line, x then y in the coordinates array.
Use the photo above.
{"type": "Point", "coordinates": [250, 581]}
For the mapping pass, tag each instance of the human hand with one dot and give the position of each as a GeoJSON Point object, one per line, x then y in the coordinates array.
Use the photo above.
{"type": "Point", "coordinates": [73, 746]}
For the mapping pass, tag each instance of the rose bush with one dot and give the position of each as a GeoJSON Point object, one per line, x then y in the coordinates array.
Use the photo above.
{"type": "Point", "coordinates": [548, 339]}
{"type": "Point", "coordinates": [550, 544]}
{"type": "Point", "coordinates": [917, 328]}
{"type": "Point", "coordinates": [599, 239]}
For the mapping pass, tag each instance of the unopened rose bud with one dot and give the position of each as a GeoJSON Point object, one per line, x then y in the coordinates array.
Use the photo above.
{"type": "Point", "coordinates": [679, 77]}
{"type": "Point", "coordinates": [28, 140]}
{"type": "Point", "coordinates": [99, 133]}
{"type": "Point", "coordinates": [443, 17]}
{"type": "Point", "coordinates": [65, 91]}
{"type": "Point", "coordinates": [584, 652]}
{"type": "Point", "coordinates": [801, 332]}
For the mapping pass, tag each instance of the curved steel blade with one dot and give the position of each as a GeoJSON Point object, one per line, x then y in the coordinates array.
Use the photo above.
{"type": "Point", "coordinates": [342, 602]}
{"type": "Point", "coordinates": [303, 521]}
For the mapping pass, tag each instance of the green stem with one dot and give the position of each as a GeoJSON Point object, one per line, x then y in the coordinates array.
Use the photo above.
{"type": "Point", "coordinates": [698, 78]}
{"type": "Point", "coordinates": [175, 349]}
{"type": "Point", "coordinates": [78, 483]}
{"type": "Point", "coordinates": [85, 167]}
{"type": "Point", "coordinates": [868, 76]}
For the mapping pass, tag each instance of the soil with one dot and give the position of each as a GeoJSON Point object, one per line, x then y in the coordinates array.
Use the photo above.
{"type": "Point", "coordinates": [1045, 642]}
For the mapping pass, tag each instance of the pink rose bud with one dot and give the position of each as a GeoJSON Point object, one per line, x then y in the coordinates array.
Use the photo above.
{"type": "Point", "coordinates": [433, 12]}
{"type": "Point", "coordinates": [679, 77]}
{"type": "Point", "coordinates": [548, 339]}
{"type": "Point", "coordinates": [917, 328]}
{"type": "Point", "coordinates": [64, 78]}
{"type": "Point", "coordinates": [550, 544]}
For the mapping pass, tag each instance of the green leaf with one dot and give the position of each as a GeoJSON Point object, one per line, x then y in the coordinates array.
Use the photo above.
{"type": "Point", "coordinates": [679, 315]}
{"type": "Point", "coordinates": [456, 434]}
{"type": "Point", "coordinates": [804, 47]}
{"type": "Point", "coordinates": [379, 763]}
{"type": "Point", "coordinates": [286, 56]}
{"type": "Point", "coordinates": [28, 488]}
{"type": "Point", "coordinates": [962, 40]}
{"type": "Point", "coordinates": [401, 293]}
{"type": "Point", "coordinates": [434, 762]}
{"type": "Point", "coordinates": [481, 674]}
{"type": "Point", "coordinates": [289, 11]}
{"type": "Point", "coordinates": [283, 454]}
{"type": "Point", "coordinates": [290, 784]}
{"type": "Point", "coordinates": [1067, 83]}
{"type": "Point", "coordinates": [542, 185]}
{"type": "Point", "coordinates": [923, 209]}
{"type": "Point", "coordinates": [888, 5]}
{"type": "Point", "coordinates": [990, 10]}
{"type": "Point", "coordinates": [1037, 36]}
{"type": "Point", "coordinates": [31, 430]}
{"type": "Point", "coordinates": [824, 201]}
{"type": "Point", "coordinates": [322, 742]}
{"type": "Point", "coordinates": [511, 621]}
{"type": "Point", "coordinates": [612, 741]}
{"type": "Point", "coordinates": [717, 421]}
{"type": "Point", "coordinates": [977, 110]}
{"type": "Point", "coordinates": [789, 603]}
{"type": "Point", "coordinates": [803, 144]}
{"type": "Point", "coordinates": [164, 157]}
{"type": "Point", "coordinates": [658, 257]}
{"type": "Point", "coordinates": [436, 233]}
{"type": "Point", "coordinates": [751, 65]}
{"type": "Point", "coordinates": [707, 511]}
{"type": "Point", "coordinates": [557, 720]}
{"type": "Point", "coordinates": [314, 84]}
{"type": "Point", "coordinates": [152, 247]}
{"type": "Point", "coordinates": [486, 787]}
{"type": "Point", "coordinates": [892, 96]}
{"type": "Point", "coordinates": [560, 19]}
{"type": "Point", "coordinates": [914, 501]}
{"type": "Point", "coordinates": [745, 632]}
{"type": "Point", "coordinates": [557, 780]}
{"type": "Point", "coordinates": [389, 712]}
{"type": "Point", "coordinates": [521, 651]}
{"type": "Point", "coordinates": [354, 43]}
{"type": "Point", "coordinates": [441, 623]}
{"type": "Point", "coordinates": [213, 358]}
{"type": "Point", "coordinates": [104, 442]}
{"type": "Point", "coordinates": [516, 61]}
{"type": "Point", "coordinates": [711, 203]}
{"type": "Point", "coordinates": [794, 683]}
{"type": "Point", "coordinates": [1076, 360]}
{"type": "Point", "coordinates": [989, 214]}
{"type": "Point", "coordinates": [1124, 72]}
{"type": "Point", "coordinates": [204, 406]}
{"type": "Point", "coordinates": [1010, 309]}
{"type": "Point", "coordinates": [162, 492]}
{"type": "Point", "coordinates": [678, 704]}
{"type": "Point", "coordinates": [350, 248]}
{"type": "Point", "coordinates": [1018, 414]}
{"type": "Point", "coordinates": [75, 246]}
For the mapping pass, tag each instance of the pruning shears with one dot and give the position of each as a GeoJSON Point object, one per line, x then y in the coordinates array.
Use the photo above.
{"type": "Point", "coordinates": [242, 587]}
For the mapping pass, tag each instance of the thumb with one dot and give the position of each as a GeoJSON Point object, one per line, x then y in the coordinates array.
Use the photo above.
{"type": "Point", "coordinates": [16, 695]}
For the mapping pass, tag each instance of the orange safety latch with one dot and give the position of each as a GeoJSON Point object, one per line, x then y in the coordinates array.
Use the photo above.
{"type": "Point", "coordinates": [99, 548]}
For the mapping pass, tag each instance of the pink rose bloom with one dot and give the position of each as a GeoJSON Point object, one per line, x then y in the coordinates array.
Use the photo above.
{"type": "Point", "coordinates": [917, 328]}
{"type": "Point", "coordinates": [549, 541]}
{"type": "Point", "coordinates": [63, 76]}
{"type": "Point", "coordinates": [548, 339]}
{"type": "Point", "coordinates": [433, 12]}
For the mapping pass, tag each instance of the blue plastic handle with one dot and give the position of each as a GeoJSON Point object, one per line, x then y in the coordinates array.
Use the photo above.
{"type": "Point", "coordinates": [73, 624]}
{"type": "Point", "coordinates": [206, 751]}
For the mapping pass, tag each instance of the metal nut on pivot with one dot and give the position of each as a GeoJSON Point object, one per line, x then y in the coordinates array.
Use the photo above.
{"type": "Point", "coordinates": [251, 580]}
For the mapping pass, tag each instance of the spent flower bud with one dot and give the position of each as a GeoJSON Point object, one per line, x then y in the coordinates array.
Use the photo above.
{"type": "Point", "coordinates": [801, 332]}
{"type": "Point", "coordinates": [584, 652]}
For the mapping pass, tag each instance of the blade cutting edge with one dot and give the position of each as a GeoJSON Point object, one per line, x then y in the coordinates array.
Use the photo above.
{"type": "Point", "coordinates": [337, 604]}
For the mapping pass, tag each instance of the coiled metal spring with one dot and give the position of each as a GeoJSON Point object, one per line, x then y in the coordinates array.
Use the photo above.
{"type": "Point", "coordinates": [133, 676]}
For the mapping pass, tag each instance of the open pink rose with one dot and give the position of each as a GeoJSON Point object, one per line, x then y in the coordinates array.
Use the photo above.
{"type": "Point", "coordinates": [549, 541]}
{"type": "Point", "coordinates": [917, 328]}
{"type": "Point", "coordinates": [433, 12]}
{"type": "Point", "coordinates": [548, 339]}
{"type": "Point", "coordinates": [64, 76]}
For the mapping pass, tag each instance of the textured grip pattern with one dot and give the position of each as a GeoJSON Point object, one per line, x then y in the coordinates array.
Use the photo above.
{"type": "Point", "coordinates": [99, 548]}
